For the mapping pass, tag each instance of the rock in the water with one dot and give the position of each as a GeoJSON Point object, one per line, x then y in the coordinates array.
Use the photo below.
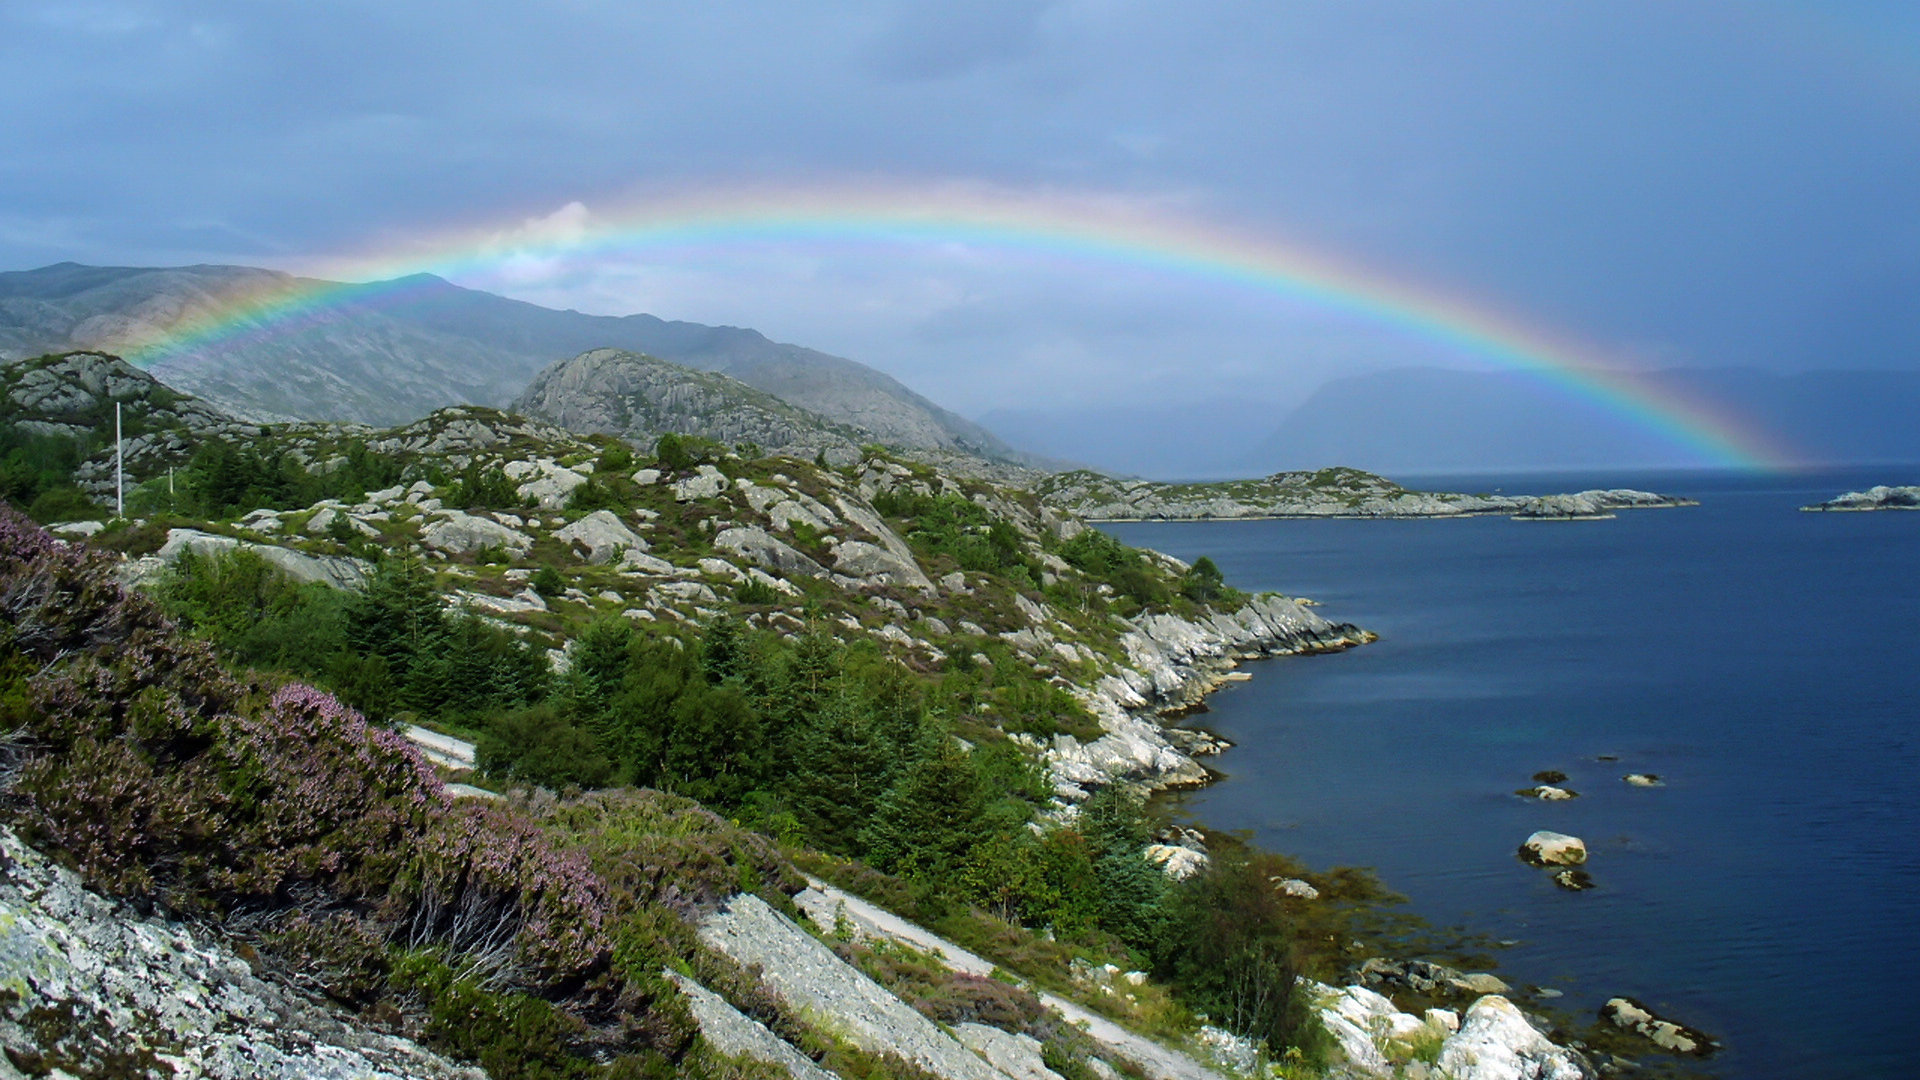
{"type": "Point", "coordinates": [1643, 780]}
{"type": "Point", "coordinates": [1630, 1015]}
{"type": "Point", "coordinates": [1574, 880]}
{"type": "Point", "coordinates": [1546, 848]}
{"type": "Point", "coordinates": [1547, 793]}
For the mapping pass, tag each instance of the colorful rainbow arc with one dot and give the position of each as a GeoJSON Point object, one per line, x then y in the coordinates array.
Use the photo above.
{"type": "Point", "coordinates": [1053, 229]}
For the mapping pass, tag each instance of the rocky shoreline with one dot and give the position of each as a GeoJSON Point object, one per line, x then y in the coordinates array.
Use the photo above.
{"type": "Point", "coordinates": [1328, 493]}
{"type": "Point", "coordinates": [1879, 497]}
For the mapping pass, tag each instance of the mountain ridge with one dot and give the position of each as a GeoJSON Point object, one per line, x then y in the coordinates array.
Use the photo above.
{"type": "Point", "coordinates": [393, 351]}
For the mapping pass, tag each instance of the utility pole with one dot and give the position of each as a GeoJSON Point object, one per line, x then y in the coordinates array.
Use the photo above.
{"type": "Point", "coordinates": [119, 467]}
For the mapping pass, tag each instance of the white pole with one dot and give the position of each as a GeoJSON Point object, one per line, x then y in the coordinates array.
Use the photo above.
{"type": "Point", "coordinates": [119, 468]}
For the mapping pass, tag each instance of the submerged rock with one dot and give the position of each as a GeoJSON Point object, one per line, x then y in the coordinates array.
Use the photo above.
{"type": "Point", "coordinates": [1629, 1015]}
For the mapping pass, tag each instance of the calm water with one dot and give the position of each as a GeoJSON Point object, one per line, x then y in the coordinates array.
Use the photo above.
{"type": "Point", "coordinates": [1762, 661]}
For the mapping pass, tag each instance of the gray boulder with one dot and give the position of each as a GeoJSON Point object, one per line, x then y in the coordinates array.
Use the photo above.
{"type": "Point", "coordinates": [877, 565]}
{"type": "Point", "coordinates": [459, 533]}
{"type": "Point", "coordinates": [603, 535]}
{"type": "Point", "coordinates": [755, 545]}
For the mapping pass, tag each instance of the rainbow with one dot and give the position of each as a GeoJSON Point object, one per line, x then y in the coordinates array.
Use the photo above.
{"type": "Point", "coordinates": [1076, 230]}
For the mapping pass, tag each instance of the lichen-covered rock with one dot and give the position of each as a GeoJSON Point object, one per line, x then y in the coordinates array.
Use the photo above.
{"type": "Point", "coordinates": [732, 1032]}
{"type": "Point", "coordinates": [95, 990]}
{"type": "Point", "coordinates": [1018, 1056]}
{"type": "Point", "coordinates": [813, 980]}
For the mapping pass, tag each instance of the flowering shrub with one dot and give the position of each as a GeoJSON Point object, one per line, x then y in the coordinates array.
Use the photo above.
{"type": "Point", "coordinates": [161, 775]}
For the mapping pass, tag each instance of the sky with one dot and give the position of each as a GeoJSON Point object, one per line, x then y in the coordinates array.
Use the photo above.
{"type": "Point", "coordinates": [1672, 183]}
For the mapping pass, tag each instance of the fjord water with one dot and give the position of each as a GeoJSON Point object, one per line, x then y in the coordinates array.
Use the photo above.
{"type": "Point", "coordinates": [1762, 661]}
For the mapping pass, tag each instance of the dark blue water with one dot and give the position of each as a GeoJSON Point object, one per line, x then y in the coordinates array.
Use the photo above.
{"type": "Point", "coordinates": [1764, 662]}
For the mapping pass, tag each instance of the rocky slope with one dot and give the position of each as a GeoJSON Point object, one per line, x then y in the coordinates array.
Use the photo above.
{"type": "Point", "coordinates": [90, 988]}
{"type": "Point", "coordinates": [389, 352]}
{"type": "Point", "coordinates": [640, 398]}
{"type": "Point", "coordinates": [1880, 497]}
{"type": "Point", "coordinates": [1337, 492]}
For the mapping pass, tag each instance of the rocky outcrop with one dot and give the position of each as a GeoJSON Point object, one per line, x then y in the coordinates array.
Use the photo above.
{"type": "Point", "coordinates": [1881, 497]}
{"type": "Point", "coordinates": [737, 1034]}
{"type": "Point", "coordinates": [1173, 663]}
{"type": "Point", "coordinates": [1494, 1041]}
{"type": "Point", "coordinates": [640, 398]}
{"type": "Point", "coordinates": [813, 980]}
{"type": "Point", "coordinates": [1629, 1015]}
{"type": "Point", "coordinates": [755, 545]}
{"type": "Point", "coordinates": [603, 535]}
{"type": "Point", "coordinates": [92, 989]}
{"type": "Point", "coordinates": [460, 533]}
{"type": "Point", "coordinates": [333, 570]}
{"type": "Point", "coordinates": [1337, 493]}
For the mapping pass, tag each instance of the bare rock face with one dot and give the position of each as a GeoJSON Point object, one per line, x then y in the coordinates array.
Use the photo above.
{"type": "Point", "coordinates": [603, 535]}
{"type": "Point", "coordinates": [755, 545]}
{"type": "Point", "coordinates": [875, 564]}
{"type": "Point", "coordinates": [461, 533]}
{"type": "Point", "coordinates": [94, 990]}
{"type": "Point", "coordinates": [812, 979]}
{"type": "Point", "coordinates": [640, 397]}
{"type": "Point", "coordinates": [340, 573]}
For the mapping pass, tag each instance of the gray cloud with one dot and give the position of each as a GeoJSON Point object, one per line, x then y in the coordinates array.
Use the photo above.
{"type": "Point", "coordinates": [1692, 181]}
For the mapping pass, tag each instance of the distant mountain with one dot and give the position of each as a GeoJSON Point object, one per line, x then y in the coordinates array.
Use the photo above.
{"type": "Point", "coordinates": [391, 351]}
{"type": "Point", "coordinates": [1434, 420]}
{"type": "Point", "coordinates": [1203, 439]}
{"type": "Point", "coordinates": [611, 392]}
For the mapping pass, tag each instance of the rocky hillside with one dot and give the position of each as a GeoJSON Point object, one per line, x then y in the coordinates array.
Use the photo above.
{"type": "Point", "coordinates": [389, 352]}
{"type": "Point", "coordinates": [981, 676]}
{"type": "Point", "coordinates": [1338, 492]}
{"type": "Point", "coordinates": [639, 398]}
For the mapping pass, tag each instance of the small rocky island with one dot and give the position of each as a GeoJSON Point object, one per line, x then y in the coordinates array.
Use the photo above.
{"type": "Point", "coordinates": [1327, 493]}
{"type": "Point", "coordinates": [1880, 497]}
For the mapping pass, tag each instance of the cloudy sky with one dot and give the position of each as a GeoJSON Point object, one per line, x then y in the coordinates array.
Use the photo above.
{"type": "Point", "coordinates": [1666, 183]}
